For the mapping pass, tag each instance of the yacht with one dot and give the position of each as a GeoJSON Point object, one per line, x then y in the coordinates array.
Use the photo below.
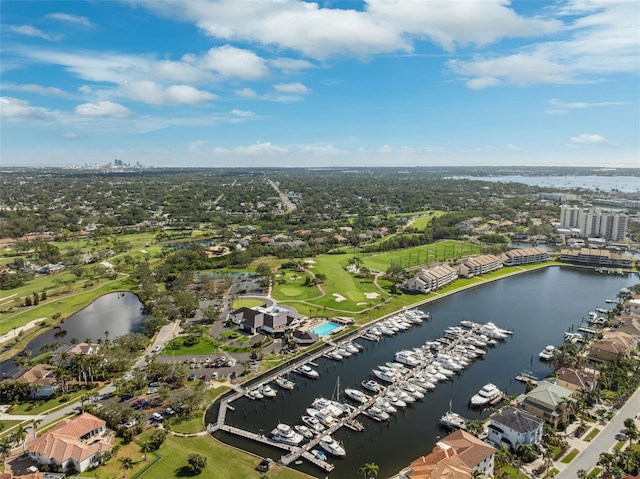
{"type": "Point", "coordinates": [324, 416]}
{"type": "Point", "coordinates": [407, 357]}
{"type": "Point", "coordinates": [306, 432]}
{"type": "Point", "coordinates": [487, 394]}
{"type": "Point", "coordinates": [395, 400]}
{"type": "Point", "coordinates": [344, 352]}
{"type": "Point", "coordinates": [322, 403]}
{"type": "Point", "coordinates": [285, 434]}
{"type": "Point", "coordinates": [267, 391]}
{"type": "Point", "coordinates": [377, 413]}
{"type": "Point", "coordinates": [385, 406]}
{"type": "Point", "coordinates": [313, 423]}
{"type": "Point", "coordinates": [372, 385]}
{"type": "Point", "coordinates": [335, 355]}
{"type": "Point", "coordinates": [307, 371]}
{"type": "Point", "coordinates": [547, 353]}
{"type": "Point", "coordinates": [285, 383]}
{"type": "Point", "coordinates": [332, 446]}
{"type": "Point", "coordinates": [357, 395]}
{"type": "Point", "coordinates": [254, 394]}
{"type": "Point", "coordinates": [351, 348]}
{"type": "Point", "coordinates": [384, 375]}
{"type": "Point", "coordinates": [452, 420]}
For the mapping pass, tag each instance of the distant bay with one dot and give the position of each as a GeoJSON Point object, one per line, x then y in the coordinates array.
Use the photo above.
{"type": "Point", "coordinates": [627, 184]}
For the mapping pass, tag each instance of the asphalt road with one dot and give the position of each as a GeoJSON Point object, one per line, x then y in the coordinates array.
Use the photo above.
{"type": "Point", "coordinates": [603, 442]}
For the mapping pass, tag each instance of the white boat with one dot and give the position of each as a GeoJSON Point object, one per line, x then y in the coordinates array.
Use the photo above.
{"type": "Point", "coordinates": [384, 375]}
{"type": "Point", "coordinates": [372, 385]}
{"type": "Point", "coordinates": [547, 353]}
{"type": "Point", "coordinates": [385, 405]}
{"type": "Point", "coordinates": [487, 394]}
{"type": "Point", "coordinates": [394, 400]}
{"type": "Point", "coordinates": [344, 352]}
{"type": "Point", "coordinates": [332, 446]}
{"type": "Point", "coordinates": [254, 394]}
{"type": "Point", "coordinates": [335, 355]}
{"type": "Point", "coordinates": [267, 391]}
{"type": "Point", "coordinates": [306, 432]}
{"type": "Point", "coordinates": [407, 357]}
{"type": "Point", "coordinates": [285, 383]}
{"type": "Point", "coordinates": [357, 395]}
{"type": "Point", "coordinates": [453, 420]}
{"type": "Point", "coordinates": [318, 454]}
{"type": "Point", "coordinates": [313, 423]}
{"type": "Point", "coordinates": [307, 371]}
{"type": "Point", "coordinates": [351, 348]}
{"type": "Point", "coordinates": [285, 434]}
{"type": "Point", "coordinates": [325, 417]}
{"type": "Point", "coordinates": [323, 403]}
{"type": "Point", "coordinates": [377, 413]}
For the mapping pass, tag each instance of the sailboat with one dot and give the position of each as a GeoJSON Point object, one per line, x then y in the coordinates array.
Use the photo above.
{"type": "Point", "coordinates": [452, 420]}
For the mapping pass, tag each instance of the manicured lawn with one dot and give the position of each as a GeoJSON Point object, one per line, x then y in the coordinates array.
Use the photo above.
{"type": "Point", "coordinates": [595, 472]}
{"type": "Point", "coordinates": [175, 347]}
{"type": "Point", "coordinates": [223, 462]}
{"type": "Point", "coordinates": [569, 457]}
{"type": "Point", "coordinates": [194, 422]}
{"type": "Point", "coordinates": [234, 335]}
{"type": "Point", "coordinates": [37, 408]}
{"type": "Point", "coordinates": [113, 468]}
{"type": "Point", "coordinates": [246, 303]}
{"type": "Point", "coordinates": [293, 287]}
{"type": "Point", "coordinates": [420, 255]}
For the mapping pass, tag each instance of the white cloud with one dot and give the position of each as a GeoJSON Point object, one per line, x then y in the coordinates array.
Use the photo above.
{"type": "Point", "coordinates": [258, 148]}
{"type": "Point", "coordinates": [295, 88]}
{"type": "Point", "coordinates": [562, 107]}
{"type": "Point", "coordinates": [290, 65]}
{"type": "Point", "coordinates": [31, 31]}
{"type": "Point", "coordinates": [181, 71]}
{"type": "Point", "coordinates": [71, 135]}
{"type": "Point", "coordinates": [103, 109]}
{"type": "Point", "coordinates": [246, 92]}
{"type": "Point", "coordinates": [85, 89]}
{"type": "Point", "coordinates": [39, 89]}
{"type": "Point", "coordinates": [74, 19]}
{"type": "Point", "coordinates": [16, 109]}
{"type": "Point", "coordinates": [589, 139]}
{"type": "Point", "coordinates": [150, 92]}
{"type": "Point", "coordinates": [230, 61]}
{"type": "Point", "coordinates": [194, 146]}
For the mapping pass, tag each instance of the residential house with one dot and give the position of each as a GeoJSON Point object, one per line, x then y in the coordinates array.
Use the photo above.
{"type": "Point", "coordinates": [548, 401]}
{"type": "Point", "coordinates": [431, 279]}
{"type": "Point", "coordinates": [513, 427]}
{"type": "Point", "coordinates": [576, 379]}
{"type": "Point", "coordinates": [613, 346]}
{"type": "Point", "coordinates": [40, 379]}
{"type": "Point", "coordinates": [478, 265]}
{"type": "Point", "coordinates": [72, 445]}
{"type": "Point", "coordinates": [455, 456]}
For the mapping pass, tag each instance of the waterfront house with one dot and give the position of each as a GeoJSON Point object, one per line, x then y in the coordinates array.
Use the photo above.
{"type": "Point", "coordinates": [613, 346]}
{"type": "Point", "coordinates": [455, 456]}
{"type": "Point", "coordinates": [576, 379]}
{"type": "Point", "coordinates": [272, 320]}
{"type": "Point", "coordinates": [40, 379]}
{"type": "Point", "coordinates": [596, 257]}
{"type": "Point", "coordinates": [548, 401]}
{"type": "Point", "coordinates": [73, 444]}
{"type": "Point", "coordinates": [431, 279]}
{"type": "Point", "coordinates": [513, 427]}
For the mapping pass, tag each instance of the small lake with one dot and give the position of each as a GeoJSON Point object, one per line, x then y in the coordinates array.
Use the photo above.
{"type": "Point", "coordinates": [118, 313]}
{"type": "Point", "coordinates": [539, 306]}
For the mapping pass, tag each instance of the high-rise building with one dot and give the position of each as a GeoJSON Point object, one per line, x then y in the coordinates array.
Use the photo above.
{"type": "Point", "coordinates": [593, 223]}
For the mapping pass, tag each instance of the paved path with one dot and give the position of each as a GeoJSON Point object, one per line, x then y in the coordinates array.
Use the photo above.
{"type": "Point", "coordinates": [603, 442]}
{"type": "Point", "coordinates": [15, 332]}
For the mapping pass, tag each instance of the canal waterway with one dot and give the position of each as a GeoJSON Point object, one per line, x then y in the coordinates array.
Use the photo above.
{"type": "Point", "coordinates": [118, 313]}
{"type": "Point", "coordinates": [539, 306]}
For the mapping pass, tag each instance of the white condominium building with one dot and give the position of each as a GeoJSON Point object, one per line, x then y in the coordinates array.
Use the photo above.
{"type": "Point", "coordinates": [594, 223]}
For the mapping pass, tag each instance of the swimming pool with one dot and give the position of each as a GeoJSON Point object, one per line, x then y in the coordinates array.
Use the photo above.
{"type": "Point", "coordinates": [325, 329]}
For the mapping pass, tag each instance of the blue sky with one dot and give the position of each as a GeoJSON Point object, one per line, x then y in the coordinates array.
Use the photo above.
{"type": "Point", "coordinates": [292, 83]}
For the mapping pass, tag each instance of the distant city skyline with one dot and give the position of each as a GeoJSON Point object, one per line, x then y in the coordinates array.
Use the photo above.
{"type": "Point", "coordinates": [349, 83]}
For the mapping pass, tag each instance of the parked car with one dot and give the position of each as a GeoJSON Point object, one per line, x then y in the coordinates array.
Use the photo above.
{"type": "Point", "coordinates": [191, 377]}
{"type": "Point", "coordinates": [157, 417]}
{"type": "Point", "coordinates": [622, 437]}
{"type": "Point", "coordinates": [169, 411]}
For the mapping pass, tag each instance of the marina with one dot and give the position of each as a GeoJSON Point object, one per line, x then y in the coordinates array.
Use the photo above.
{"type": "Point", "coordinates": [499, 365]}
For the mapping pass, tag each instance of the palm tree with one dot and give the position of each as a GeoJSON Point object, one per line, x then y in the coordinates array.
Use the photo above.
{"type": "Point", "coordinates": [369, 470]}
{"type": "Point", "coordinates": [126, 463]}
{"type": "Point", "coordinates": [5, 449]}
{"type": "Point", "coordinates": [34, 424]}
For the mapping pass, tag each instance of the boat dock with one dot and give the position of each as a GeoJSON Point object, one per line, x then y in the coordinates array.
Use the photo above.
{"type": "Point", "coordinates": [585, 329]}
{"type": "Point", "coordinates": [527, 377]}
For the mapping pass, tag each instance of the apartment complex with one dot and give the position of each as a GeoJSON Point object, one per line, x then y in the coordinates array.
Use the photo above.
{"type": "Point", "coordinates": [594, 223]}
{"type": "Point", "coordinates": [479, 265]}
{"type": "Point", "coordinates": [432, 279]}
{"type": "Point", "coordinates": [518, 257]}
{"type": "Point", "coordinates": [596, 257]}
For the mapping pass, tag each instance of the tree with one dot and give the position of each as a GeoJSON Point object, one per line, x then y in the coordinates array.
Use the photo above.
{"type": "Point", "coordinates": [369, 470]}
{"type": "Point", "coordinates": [125, 464]}
{"type": "Point", "coordinates": [211, 313]}
{"type": "Point", "coordinates": [197, 462]}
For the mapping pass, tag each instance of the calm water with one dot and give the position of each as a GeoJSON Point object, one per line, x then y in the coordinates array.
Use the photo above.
{"type": "Point", "coordinates": [629, 184]}
{"type": "Point", "coordinates": [118, 313]}
{"type": "Point", "coordinates": [539, 306]}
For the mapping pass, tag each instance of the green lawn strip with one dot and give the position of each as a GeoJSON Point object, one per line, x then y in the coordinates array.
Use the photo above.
{"type": "Point", "coordinates": [593, 433]}
{"type": "Point", "coordinates": [595, 472]}
{"type": "Point", "coordinates": [224, 462]}
{"type": "Point", "coordinates": [569, 457]}
{"type": "Point", "coordinates": [619, 445]}
{"type": "Point", "coordinates": [133, 450]}
{"type": "Point", "coordinates": [553, 472]}
{"type": "Point", "coordinates": [234, 335]}
{"type": "Point", "coordinates": [513, 472]}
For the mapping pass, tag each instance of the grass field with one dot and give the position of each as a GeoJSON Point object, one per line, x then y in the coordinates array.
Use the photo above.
{"type": "Point", "coordinates": [176, 347]}
{"type": "Point", "coordinates": [420, 255]}
{"type": "Point", "coordinates": [246, 303]}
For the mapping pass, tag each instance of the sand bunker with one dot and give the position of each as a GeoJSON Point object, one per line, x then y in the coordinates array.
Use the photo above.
{"type": "Point", "coordinates": [362, 303]}
{"type": "Point", "coordinates": [339, 297]}
{"type": "Point", "coordinates": [371, 295]}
